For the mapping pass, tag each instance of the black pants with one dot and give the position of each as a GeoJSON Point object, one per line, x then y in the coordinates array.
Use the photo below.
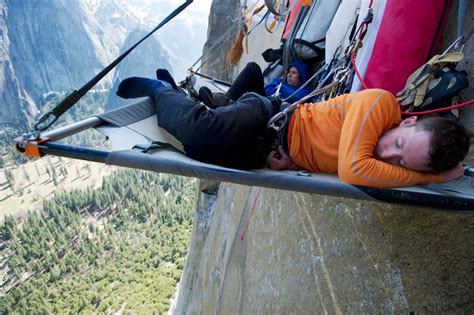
{"type": "Point", "coordinates": [232, 136]}
{"type": "Point", "coordinates": [250, 79]}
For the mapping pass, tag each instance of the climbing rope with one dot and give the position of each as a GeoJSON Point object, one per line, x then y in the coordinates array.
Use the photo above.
{"type": "Point", "coordinates": [249, 218]}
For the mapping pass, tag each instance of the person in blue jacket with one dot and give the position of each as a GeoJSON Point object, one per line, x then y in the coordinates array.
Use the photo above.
{"type": "Point", "coordinates": [250, 79]}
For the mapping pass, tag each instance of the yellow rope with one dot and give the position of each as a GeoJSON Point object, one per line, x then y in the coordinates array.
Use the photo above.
{"type": "Point", "coordinates": [275, 18]}
{"type": "Point", "coordinates": [236, 53]}
{"type": "Point", "coordinates": [249, 24]}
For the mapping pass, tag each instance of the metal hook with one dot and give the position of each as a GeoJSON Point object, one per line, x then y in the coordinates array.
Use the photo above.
{"type": "Point", "coordinates": [42, 119]}
{"type": "Point", "coordinates": [272, 122]}
{"type": "Point", "coordinates": [454, 45]}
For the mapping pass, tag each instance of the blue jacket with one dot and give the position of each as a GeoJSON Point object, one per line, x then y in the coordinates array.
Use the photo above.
{"type": "Point", "coordinates": [286, 89]}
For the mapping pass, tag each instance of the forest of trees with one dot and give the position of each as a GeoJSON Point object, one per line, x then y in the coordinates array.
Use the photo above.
{"type": "Point", "coordinates": [117, 248]}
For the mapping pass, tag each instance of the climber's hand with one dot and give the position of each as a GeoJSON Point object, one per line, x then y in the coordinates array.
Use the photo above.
{"type": "Point", "coordinates": [279, 160]}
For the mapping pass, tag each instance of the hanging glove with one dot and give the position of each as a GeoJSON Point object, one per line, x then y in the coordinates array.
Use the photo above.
{"type": "Point", "coordinates": [417, 83]}
{"type": "Point", "coordinates": [442, 88]}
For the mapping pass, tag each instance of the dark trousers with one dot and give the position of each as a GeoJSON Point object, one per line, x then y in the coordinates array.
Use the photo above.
{"type": "Point", "coordinates": [250, 79]}
{"type": "Point", "coordinates": [232, 136]}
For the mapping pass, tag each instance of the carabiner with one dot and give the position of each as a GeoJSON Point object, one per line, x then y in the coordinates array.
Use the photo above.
{"type": "Point", "coordinates": [42, 119]}
{"type": "Point", "coordinates": [272, 122]}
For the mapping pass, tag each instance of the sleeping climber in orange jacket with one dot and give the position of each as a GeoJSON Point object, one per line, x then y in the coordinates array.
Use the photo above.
{"type": "Point", "coordinates": [359, 136]}
{"type": "Point", "coordinates": [362, 138]}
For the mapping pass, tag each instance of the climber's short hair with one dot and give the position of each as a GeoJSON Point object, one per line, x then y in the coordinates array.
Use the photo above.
{"type": "Point", "coordinates": [449, 142]}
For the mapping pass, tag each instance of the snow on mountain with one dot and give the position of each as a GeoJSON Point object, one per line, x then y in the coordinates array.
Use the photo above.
{"type": "Point", "coordinates": [182, 38]}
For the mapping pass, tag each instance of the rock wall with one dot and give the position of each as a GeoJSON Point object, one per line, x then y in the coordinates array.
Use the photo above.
{"type": "Point", "coordinates": [45, 49]}
{"type": "Point", "coordinates": [311, 254]}
{"type": "Point", "coordinates": [50, 48]}
{"type": "Point", "coordinates": [466, 115]}
{"type": "Point", "coordinates": [17, 107]}
{"type": "Point", "coordinates": [221, 37]}
{"type": "Point", "coordinates": [221, 34]}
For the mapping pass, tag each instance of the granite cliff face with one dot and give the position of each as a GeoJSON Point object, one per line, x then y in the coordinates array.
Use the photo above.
{"type": "Point", "coordinates": [50, 48]}
{"type": "Point", "coordinates": [17, 107]}
{"type": "Point", "coordinates": [298, 253]}
{"type": "Point", "coordinates": [221, 35]}
{"type": "Point", "coordinates": [46, 49]}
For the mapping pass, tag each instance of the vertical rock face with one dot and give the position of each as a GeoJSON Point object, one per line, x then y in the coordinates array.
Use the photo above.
{"type": "Point", "coordinates": [17, 108]}
{"type": "Point", "coordinates": [45, 49]}
{"type": "Point", "coordinates": [50, 48]}
{"type": "Point", "coordinates": [221, 35]}
{"type": "Point", "coordinates": [310, 254]}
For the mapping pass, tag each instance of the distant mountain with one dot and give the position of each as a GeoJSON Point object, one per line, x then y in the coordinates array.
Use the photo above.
{"type": "Point", "coordinates": [142, 63]}
{"type": "Point", "coordinates": [182, 38]}
{"type": "Point", "coordinates": [50, 49]}
{"type": "Point", "coordinates": [56, 46]}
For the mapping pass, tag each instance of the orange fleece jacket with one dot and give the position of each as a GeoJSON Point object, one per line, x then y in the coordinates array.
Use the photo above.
{"type": "Point", "coordinates": [339, 135]}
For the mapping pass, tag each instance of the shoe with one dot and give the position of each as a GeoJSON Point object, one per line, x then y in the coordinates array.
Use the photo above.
{"type": "Point", "coordinates": [134, 87]}
{"type": "Point", "coordinates": [211, 99]}
{"type": "Point", "coordinates": [164, 75]}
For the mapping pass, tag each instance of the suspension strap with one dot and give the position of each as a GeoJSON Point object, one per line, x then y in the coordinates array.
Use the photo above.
{"type": "Point", "coordinates": [357, 44]}
{"type": "Point", "coordinates": [462, 5]}
{"type": "Point", "coordinates": [279, 12]}
{"type": "Point", "coordinates": [76, 95]}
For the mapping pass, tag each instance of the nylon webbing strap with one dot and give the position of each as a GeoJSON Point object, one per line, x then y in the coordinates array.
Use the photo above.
{"type": "Point", "coordinates": [76, 95]}
{"type": "Point", "coordinates": [279, 11]}
{"type": "Point", "coordinates": [461, 12]}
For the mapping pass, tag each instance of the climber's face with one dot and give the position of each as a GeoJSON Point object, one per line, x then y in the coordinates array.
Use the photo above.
{"type": "Point", "coordinates": [293, 77]}
{"type": "Point", "coordinates": [405, 145]}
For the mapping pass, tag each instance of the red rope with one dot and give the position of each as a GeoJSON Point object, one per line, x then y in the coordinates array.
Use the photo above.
{"type": "Point", "coordinates": [357, 71]}
{"type": "Point", "coordinates": [363, 27]}
{"type": "Point", "coordinates": [249, 217]}
{"type": "Point", "coordinates": [439, 110]}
